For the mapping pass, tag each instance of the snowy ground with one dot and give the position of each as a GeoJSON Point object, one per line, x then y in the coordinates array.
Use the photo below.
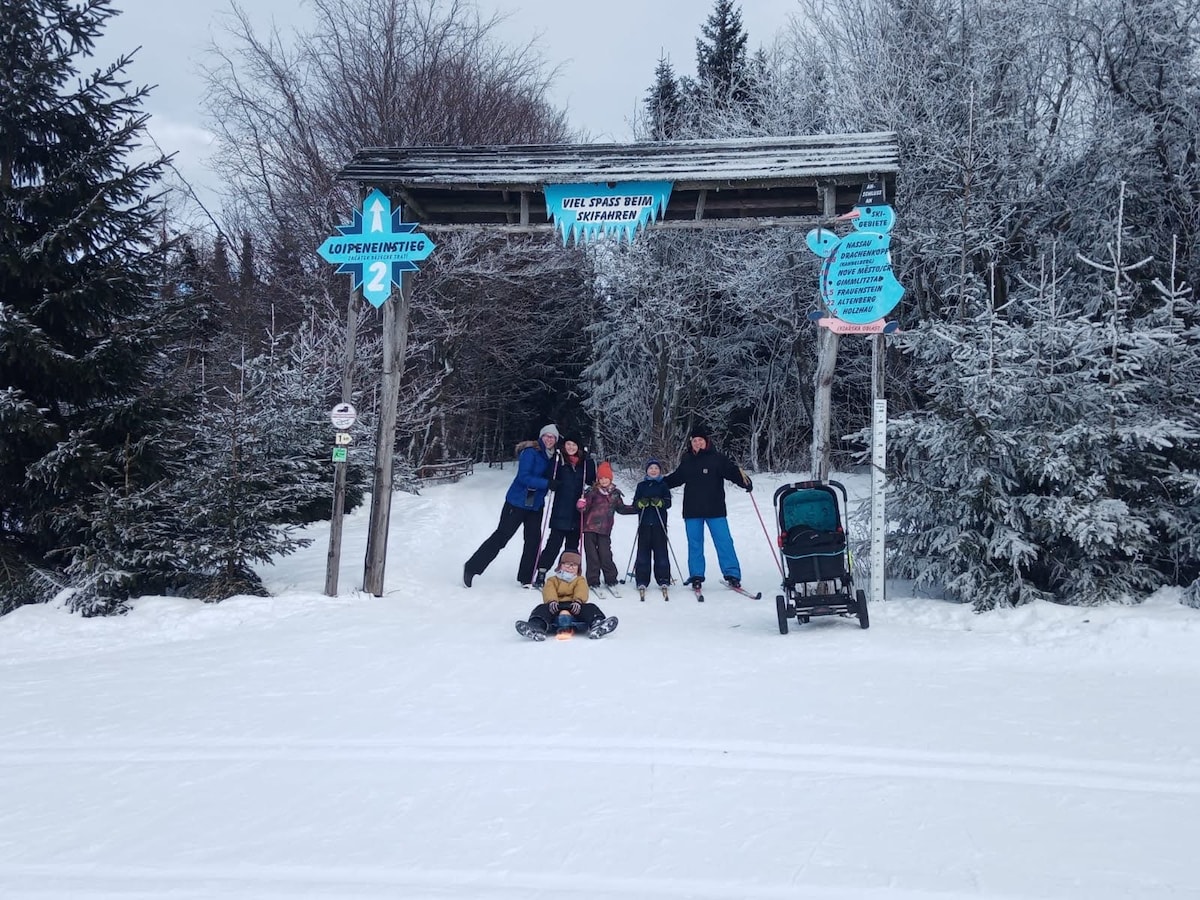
{"type": "Point", "coordinates": [413, 746]}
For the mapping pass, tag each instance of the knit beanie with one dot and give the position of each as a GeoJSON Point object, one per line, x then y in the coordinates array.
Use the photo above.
{"type": "Point", "coordinates": [604, 470]}
{"type": "Point", "coordinates": [652, 461]}
{"type": "Point", "coordinates": [700, 430]}
{"type": "Point", "coordinates": [549, 429]}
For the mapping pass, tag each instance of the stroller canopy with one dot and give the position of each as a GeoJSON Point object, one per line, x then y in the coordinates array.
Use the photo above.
{"type": "Point", "coordinates": [815, 508]}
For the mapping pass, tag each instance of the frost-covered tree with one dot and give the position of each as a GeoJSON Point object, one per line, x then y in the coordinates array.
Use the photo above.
{"type": "Point", "coordinates": [1046, 463]}
{"type": "Point", "coordinates": [381, 73]}
{"type": "Point", "coordinates": [79, 263]}
{"type": "Point", "coordinates": [722, 72]}
{"type": "Point", "coordinates": [663, 104]}
{"type": "Point", "coordinates": [1143, 129]}
{"type": "Point", "coordinates": [257, 464]}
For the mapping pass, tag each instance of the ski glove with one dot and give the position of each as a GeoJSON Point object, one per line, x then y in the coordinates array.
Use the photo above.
{"type": "Point", "coordinates": [749, 484]}
{"type": "Point", "coordinates": [575, 607]}
{"type": "Point", "coordinates": [580, 503]}
{"type": "Point", "coordinates": [554, 607]}
{"type": "Point", "coordinates": [643, 503]}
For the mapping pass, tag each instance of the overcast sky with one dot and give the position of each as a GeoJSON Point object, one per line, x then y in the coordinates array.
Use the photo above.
{"type": "Point", "coordinates": [607, 51]}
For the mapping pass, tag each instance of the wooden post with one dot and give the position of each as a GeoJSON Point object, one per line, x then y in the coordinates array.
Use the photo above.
{"type": "Point", "coordinates": [333, 560]}
{"type": "Point", "coordinates": [395, 345]}
{"type": "Point", "coordinates": [827, 350]}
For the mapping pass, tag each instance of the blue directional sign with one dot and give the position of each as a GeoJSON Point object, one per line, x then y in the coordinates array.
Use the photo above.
{"type": "Point", "coordinates": [376, 248]}
{"type": "Point", "coordinates": [857, 283]}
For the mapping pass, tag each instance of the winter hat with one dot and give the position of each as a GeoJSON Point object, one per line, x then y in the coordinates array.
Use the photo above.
{"type": "Point", "coordinates": [569, 556]}
{"type": "Point", "coordinates": [604, 470]}
{"type": "Point", "coordinates": [549, 429]}
{"type": "Point", "coordinates": [652, 461]}
{"type": "Point", "coordinates": [700, 430]}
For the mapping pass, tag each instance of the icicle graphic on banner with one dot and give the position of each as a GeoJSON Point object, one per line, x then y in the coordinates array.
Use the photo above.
{"type": "Point", "coordinates": [583, 212]}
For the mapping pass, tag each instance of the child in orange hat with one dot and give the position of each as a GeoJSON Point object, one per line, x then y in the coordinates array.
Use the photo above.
{"type": "Point", "coordinates": [600, 504]}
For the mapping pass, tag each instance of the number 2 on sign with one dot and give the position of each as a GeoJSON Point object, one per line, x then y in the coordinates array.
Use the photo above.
{"type": "Point", "coordinates": [380, 272]}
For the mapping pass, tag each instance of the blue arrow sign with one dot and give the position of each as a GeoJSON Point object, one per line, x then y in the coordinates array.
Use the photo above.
{"type": "Point", "coordinates": [376, 248]}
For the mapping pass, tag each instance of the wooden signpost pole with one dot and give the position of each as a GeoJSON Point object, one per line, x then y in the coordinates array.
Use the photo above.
{"type": "Point", "coordinates": [333, 559]}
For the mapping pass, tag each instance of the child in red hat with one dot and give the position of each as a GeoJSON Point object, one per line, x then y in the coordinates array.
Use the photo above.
{"type": "Point", "coordinates": [600, 504]}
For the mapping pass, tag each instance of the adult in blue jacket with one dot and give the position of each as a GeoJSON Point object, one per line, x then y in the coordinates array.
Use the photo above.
{"type": "Point", "coordinates": [703, 472]}
{"type": "Point", "coordinates": [523, 506]}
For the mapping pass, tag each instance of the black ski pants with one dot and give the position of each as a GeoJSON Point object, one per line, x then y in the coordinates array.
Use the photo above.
{"type": "Point", "coordinates": [652, 542]}
{"type": "Point", "coordinates": [598, 548]}
{"type": "Point", "coordinates": [545, 621]}
{"type": "Point", "coordinates": [511, 519]}
{"type": "Point", "coordinates": [557, 540]}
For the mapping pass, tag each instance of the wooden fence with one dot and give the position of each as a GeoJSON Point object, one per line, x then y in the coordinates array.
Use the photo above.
{"type": "Point", "coordinates": [448, 470]}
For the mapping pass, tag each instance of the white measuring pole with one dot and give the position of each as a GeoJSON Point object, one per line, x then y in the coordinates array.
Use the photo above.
{"type": "Point", "coordinates": [878, 489]}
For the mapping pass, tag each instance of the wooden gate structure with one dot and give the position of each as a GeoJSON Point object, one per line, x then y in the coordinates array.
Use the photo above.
{"type": "Point", "coordinates": [744, 183]}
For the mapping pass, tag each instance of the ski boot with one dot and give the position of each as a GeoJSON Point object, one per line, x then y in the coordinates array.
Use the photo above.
{"type": "Point", "coordinates": [601, 627]}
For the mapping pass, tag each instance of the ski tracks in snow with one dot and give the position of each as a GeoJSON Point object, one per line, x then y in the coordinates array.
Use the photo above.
{"type": "Point", "coordinates": [267, 882]}
{"type": "Point", "coordinates": [808, 759]}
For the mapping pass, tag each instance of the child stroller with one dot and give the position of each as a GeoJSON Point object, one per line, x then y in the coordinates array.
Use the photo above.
{"type": "Point", "coordinates": [812, 544]}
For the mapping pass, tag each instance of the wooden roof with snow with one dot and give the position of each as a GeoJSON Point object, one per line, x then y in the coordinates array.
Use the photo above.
{"type": "Point", "coordinates": [744, 183]}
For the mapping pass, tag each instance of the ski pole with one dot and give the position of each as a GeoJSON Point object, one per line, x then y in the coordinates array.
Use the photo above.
{"type": "Point", "coordinates": [629, 565]}
{"type": "Point", "coordinates": [537, 560]}
{"type": "Point", "coordinates": [766, 534]}
{"type": "Point", "coordinates": [670, 546]}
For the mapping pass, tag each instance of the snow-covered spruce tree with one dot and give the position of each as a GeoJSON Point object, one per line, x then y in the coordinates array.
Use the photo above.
{"type": "Point", "coordinates": [1039, 466]}
{"type": "Point", "coordinates": [1162, 369]}
{"type": "Point", "coordinates": [256, 467]}
{"type": "Point", "coordinates": [663, 103]}
{"type": "Point", "coordinates": [79, 261]}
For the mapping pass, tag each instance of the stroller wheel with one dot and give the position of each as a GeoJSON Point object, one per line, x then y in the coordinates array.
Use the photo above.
{"type": "Point", "coordinates": [781, 613]}
{"type": "Point", "coordinates": [864, 620]}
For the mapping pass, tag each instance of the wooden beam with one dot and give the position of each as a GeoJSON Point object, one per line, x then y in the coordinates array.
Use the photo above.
{"type": "Point", "coordinates": [755, 223]}
{"type": "Point", "coordinates": [406, 197]}
{"type": "Point", "coordinates": [721, 202]}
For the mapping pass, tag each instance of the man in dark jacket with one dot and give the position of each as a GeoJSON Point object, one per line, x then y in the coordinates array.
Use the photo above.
{"type": "Point", "coordinates": [523, 506]}
{"type": "Point", "coordinates": [703, 472]}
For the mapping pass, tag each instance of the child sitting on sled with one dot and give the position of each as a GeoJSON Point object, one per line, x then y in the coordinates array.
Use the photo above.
{"type": "Point", "coordinates": [566, 591]}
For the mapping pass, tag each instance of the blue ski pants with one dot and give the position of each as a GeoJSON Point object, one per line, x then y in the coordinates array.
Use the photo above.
{"type": "Point", "coordinates": [722, 541]}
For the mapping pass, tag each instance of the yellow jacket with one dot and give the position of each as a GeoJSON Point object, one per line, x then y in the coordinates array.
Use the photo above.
{"type": "Point", "coordinates": [565, 591]}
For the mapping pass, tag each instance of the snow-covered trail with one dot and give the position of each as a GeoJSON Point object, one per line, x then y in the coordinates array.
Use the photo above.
{"type": "Point", "coordinates": [414, 746]}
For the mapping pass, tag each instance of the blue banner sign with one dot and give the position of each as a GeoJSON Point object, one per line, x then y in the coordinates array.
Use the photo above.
{"type": "Point", "coordinates": [584, 212]}
{"type": "Point", "coordinates": [857, 283]}
{"type": "Point", "coordinates": [376, 248]}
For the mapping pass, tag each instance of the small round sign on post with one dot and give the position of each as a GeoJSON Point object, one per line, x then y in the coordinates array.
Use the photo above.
{"type": "Point", "coordinates": [343, 415]}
